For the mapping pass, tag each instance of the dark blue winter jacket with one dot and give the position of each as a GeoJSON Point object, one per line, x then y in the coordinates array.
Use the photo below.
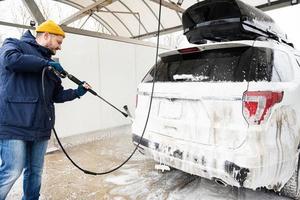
{"type": "Point", "coordinates": [22, 108]}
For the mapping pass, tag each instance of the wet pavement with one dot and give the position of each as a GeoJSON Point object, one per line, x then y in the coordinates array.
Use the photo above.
{"type": "Point", "coordinates": [136, 180]}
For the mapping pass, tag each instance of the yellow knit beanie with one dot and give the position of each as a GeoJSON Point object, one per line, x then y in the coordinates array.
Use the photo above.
{"type": "Point", "coordinates": [50, 27]}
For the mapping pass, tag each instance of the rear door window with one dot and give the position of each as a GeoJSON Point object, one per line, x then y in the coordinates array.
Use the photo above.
{"type": "Point", "coordinates": [230, 64]}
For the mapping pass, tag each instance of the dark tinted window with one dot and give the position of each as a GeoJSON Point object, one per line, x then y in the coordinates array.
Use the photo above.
{"type": "Point", "coordinates": [231, 64]}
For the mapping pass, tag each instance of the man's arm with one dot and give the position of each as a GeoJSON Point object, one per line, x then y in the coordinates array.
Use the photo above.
{"type": "Point", "coordinates": [14, 59]}
{"type": "Point", "coordinates": [61, 95]}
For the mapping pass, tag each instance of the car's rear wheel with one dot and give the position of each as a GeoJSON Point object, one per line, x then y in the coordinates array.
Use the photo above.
{"type": "Point", "coordinates": [291, 188]}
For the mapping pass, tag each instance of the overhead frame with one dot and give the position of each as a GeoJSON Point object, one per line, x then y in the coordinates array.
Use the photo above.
{"type": "Point", "coordinates": [96, 7]}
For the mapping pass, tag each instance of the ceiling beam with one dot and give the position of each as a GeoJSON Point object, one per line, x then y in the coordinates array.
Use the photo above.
{"type": "Point", "coordinates": [2, 23]}
{"type": "Point", "coordinates": [123, 23]}
{"type": "Point", "coordinates": [111, 37]}
{"type": "Point", "coordinates": [34, 10]}
{"type": "Point", "coordinates": [92, 34]}
{"type": "Point", "coordinates": [136, 15]}
{"type": "Point", "coordinates": [169, 5]}
{"type": "Point", "coordinates": [86, 11]}
{"type": "Point", "coordinates": [271, 5]}
{"type": "Point", "coordinates": [153, 13]}
{"type": "Point", "coordinates": [162, 32]}
{"type": "Point", "coordinates": [96, 17]}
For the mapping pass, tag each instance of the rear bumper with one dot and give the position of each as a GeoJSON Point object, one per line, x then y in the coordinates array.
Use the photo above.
{"type": "Point", "coordinates": [243, 167]}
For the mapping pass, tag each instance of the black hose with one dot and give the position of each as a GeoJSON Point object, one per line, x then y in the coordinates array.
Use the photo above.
{"type": "Point", "coordinates": [146, 122]}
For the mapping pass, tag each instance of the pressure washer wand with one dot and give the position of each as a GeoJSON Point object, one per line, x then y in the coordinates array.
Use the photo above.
{"type": "Point", "coordinates": [78, 82]}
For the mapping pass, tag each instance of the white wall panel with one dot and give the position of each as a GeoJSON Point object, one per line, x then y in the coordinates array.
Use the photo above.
{"type": "Point", "coordinates": [113, 69]}
{"type": "Point", "coordinates": [117, 77]}
{"type": "Point", "coordinates": [79, 56]}
{"type": "Point", "coordinates": [143, 61]}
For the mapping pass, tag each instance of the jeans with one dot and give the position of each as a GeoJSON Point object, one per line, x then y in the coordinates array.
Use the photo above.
{"type": "Point", "coordinates": [16, 155]}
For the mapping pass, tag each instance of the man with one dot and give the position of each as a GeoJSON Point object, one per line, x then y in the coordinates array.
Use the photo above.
{"type": "Point", "coordinates": [25, 126]}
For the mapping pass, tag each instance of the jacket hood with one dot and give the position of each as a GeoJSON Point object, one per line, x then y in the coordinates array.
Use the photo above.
{"type": "Point", "coordinates": [29, 38]}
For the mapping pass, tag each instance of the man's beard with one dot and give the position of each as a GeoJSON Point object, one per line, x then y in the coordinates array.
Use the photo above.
{"type": "Point", "coordinates": [53, 52]}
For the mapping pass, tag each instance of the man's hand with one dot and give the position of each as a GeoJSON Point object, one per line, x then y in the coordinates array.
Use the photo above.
{"type": "Point", "coordinates": [56, 66]}
{"type": "Point", "coordinates": [82, 89]}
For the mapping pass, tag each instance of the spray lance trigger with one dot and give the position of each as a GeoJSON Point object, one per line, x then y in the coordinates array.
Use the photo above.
{"type": "Point", "coordinates": [61, 74]}
{"type": "Point", "coordinates": [57, 73]}
{"type": "Point", "coordinates": [65, 74]}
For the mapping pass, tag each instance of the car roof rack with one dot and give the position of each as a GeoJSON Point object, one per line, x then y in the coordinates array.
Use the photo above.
{"type": "Point", "coordinates": [228, 20]}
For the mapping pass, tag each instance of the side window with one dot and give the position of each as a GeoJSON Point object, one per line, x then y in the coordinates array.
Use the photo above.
{"type": "Point", "coordinates": [282, 69]}
{"type": "Point", "coordinates": [261, 64]}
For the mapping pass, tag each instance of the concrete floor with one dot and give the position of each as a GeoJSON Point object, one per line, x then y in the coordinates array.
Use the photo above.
{"type": "Point", "coordinates": [136, 180]}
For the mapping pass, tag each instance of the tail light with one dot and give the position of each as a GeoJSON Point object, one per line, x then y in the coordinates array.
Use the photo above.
{"type": "Point", "coordinates": [257, 105]}
{"type": "Point", "coordinates": [189, 50]}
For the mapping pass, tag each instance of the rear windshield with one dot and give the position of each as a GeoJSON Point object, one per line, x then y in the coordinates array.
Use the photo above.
{"type": "Point", "coordinates": [230, 64]}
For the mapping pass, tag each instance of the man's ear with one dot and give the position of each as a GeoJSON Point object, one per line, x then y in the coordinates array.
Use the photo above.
{"type": "Point", "coordinates": [46, 35]}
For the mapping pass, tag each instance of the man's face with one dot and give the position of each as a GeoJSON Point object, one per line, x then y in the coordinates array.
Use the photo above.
{"type": "Point", "coordinates": [53, 42]}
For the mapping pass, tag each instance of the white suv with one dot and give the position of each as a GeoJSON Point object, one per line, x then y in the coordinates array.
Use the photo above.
{"type": "Point", "coordinates": [227, 111]}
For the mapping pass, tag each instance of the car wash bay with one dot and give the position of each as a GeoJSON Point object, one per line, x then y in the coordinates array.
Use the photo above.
{"type": "Point", "coordinates": [98, 138]}
{"type": "Point", "coordinates": [136, 180]}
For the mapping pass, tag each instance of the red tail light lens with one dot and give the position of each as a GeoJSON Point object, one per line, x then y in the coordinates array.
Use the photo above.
{"type": "Point", "coordinates": [257, 104]}
{"type": "Point", "coordinates": [189, 50]}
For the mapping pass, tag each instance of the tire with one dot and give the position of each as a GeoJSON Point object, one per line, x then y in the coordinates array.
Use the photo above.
{"type": "Point", "coordinates": [291, 188]}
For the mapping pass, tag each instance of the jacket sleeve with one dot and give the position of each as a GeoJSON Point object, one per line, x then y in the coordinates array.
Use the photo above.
{"type": "Point", "coordinates": [15, 60]}
{"type": "Point", "coordinates": [61, 95]}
